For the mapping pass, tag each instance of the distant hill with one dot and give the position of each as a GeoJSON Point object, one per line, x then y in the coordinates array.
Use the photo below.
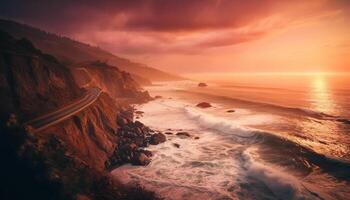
{"type": "Point", "coordinates": [69, 51]}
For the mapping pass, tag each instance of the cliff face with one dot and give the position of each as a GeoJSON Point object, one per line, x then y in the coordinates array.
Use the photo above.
{"type": "Point", "coordinates": [91, 134]}
{"type": "Point", "coordinates": [118, 84]}
{"type": "Point", "coordinates": [32, 83]}
{"type": "Point", "coordinates": [67, 160]}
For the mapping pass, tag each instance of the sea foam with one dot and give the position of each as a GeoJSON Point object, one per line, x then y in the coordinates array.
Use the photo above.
{"type": "Point", "coordinates": [237, 127]}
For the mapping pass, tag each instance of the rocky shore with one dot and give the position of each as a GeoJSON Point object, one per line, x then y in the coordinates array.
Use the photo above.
{"type": "Point", "coordinates": [134, 136]}
{"type": "Point", "coordinates": [44, 167]}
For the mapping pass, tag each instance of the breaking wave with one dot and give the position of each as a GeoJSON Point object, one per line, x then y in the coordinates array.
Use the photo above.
{"type": "Point", "coordinates": [230, 160]}
{"type": "Point", "coordinates": [219, 124]}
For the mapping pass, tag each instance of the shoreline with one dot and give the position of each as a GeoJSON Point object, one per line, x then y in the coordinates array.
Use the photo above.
{"type": "Point", "coordinates": [159, 174]}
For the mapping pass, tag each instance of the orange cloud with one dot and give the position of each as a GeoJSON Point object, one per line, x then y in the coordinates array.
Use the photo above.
{"type": "Point", "coordinates": [171, 30]}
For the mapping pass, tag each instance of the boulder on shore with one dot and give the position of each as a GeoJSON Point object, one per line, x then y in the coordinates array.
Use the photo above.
{"type": "Point", "coordinates": [142, 159]}
{"type": "Point", "coordinates": [157, 138]}
{"type": "Point", "coordinates": [204, 105]}
{"type": "Point", "coordinates": [202, 85]}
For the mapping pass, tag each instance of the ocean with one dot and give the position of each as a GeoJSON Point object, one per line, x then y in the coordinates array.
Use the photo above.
{"type": "Point", "coordinates": [288, 137]}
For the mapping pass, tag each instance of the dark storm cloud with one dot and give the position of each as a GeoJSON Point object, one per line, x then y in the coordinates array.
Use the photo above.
{"type": "Point", "coordinates": [136, 25]}
{"type": "Point", "coordinates": [156, 15]}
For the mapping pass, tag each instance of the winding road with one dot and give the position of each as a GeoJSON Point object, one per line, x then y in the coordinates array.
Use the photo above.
{"type": "Point", "coordinates": [65, 112]}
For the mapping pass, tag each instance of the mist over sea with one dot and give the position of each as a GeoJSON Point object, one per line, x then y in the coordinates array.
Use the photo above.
{"type": "Point", "coordinates": [286, 137]}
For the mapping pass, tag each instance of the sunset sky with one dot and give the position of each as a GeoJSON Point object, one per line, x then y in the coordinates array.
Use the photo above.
{"type": "Point", "coordinates": [204, 36]}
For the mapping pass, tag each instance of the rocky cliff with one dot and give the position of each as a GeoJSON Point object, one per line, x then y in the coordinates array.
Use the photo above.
{"type": "Point", "coordinates": [118, 84]}
{"type": "Point", "coordinates": [32, 82]}
{"type": "Point", "coordinates": [67, 160]}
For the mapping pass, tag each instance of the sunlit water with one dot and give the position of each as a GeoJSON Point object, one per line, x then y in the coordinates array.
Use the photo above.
{"type": "Point", "coordinates": [287, 139]}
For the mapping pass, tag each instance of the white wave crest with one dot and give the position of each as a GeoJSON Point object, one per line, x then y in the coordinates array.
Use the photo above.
{"type": "Point", "coordinates": [218, 123]}
{"type": "Point", "coordinates": [282, 184]}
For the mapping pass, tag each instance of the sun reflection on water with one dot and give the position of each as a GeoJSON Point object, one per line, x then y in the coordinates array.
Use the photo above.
{"type": "Point", "coordinates": [321, 96]}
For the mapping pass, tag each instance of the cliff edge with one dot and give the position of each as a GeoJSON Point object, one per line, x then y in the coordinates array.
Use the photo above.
{"type": "Point", "coordinates": [69, 160]}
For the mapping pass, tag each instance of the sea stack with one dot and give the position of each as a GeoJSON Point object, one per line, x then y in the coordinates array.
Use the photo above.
{"type": "Point", "coordinates": [204, 105]}
{"type": "Point", "coordinates": [202, 84]}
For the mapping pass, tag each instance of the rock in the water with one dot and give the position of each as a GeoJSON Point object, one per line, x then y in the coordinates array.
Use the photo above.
{"type": "Point", "coordinates": [157, 97]}
{"type": "Point", "coordinates": [176, 145]}
{"type": "Point", "coordinates": [345, 121]}
{"type": "Point", "coordinates": [157, 138]}
{"type": "Point", "coordinates": [147, 153]}
{"type": "Point", "coordinates": [183, 134]}
{"type": "Point", "coordinates": [143, 159]}
{"type": "Point", "coordinates": [196, 138]}
{"type": "Point", "coordinates": [202, 85]}
{"type": "Point", "coordinates": [168, 133]}
{"type": "Point", "coordinates": [231, 111]}
{"type": "Point", "coordinates": [204, 105]}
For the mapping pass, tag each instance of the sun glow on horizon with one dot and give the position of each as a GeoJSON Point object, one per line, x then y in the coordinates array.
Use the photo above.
{"type": "Point", "coordinates": [213, 76]}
